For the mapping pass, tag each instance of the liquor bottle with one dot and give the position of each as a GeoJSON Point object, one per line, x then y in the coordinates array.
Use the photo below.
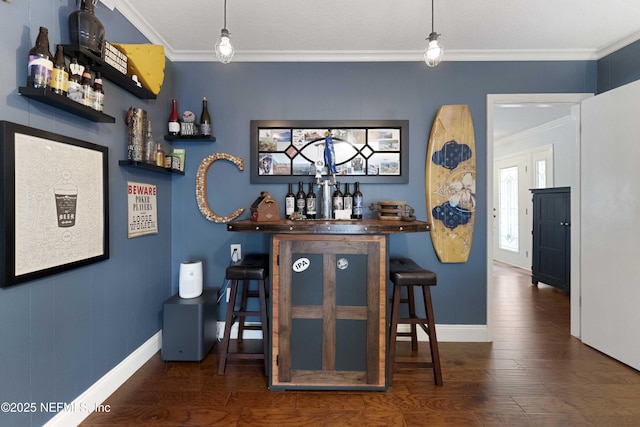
{"type": "Point", "coordinates": [87, 88]}
{"type": "Point", "coordinates": [59, 75]}
{"type": "Point", "coordinates": [289, 202]}
{"type": "Point", "coordinates": [74, 89]}
{"type": "Point", "coordinates": [98, 93]}
{"type": "Point", "coordinates": [159, 156]}
{"type": "Point", "coordinates": [174, 120]}
{"type": "Point", "coordinates": [40, 63]}
{"type": "Point", "coordinates": [358, 203]}
{"type": "Point", "coordinates": [348, 199]}
{"type": "Point", "coordinates": [301, 199]}
{"type": "Point", "coordinates": [85, 28]}
{"type": "Point", "coordinates": [205, 119]}
{"type": "Point", "coordinates": [149, 147]}
{"type": "Point", "coordinates": [338, 199]}
{"type": "Point", "coordinates": [311, 202]}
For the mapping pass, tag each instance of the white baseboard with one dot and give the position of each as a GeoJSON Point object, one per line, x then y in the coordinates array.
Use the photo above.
{"type": "Point", "coordinates": [446, 333]}
{"type": "Point", "coordinates": [92, 398]}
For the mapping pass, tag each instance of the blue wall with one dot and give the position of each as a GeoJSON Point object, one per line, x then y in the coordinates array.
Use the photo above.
{"type": "Point", "coordinates": [619, 68]}
{"type": "Point", "coordinates": [60, 334]}
{"type": "Point", "coordinates": [240, 92]}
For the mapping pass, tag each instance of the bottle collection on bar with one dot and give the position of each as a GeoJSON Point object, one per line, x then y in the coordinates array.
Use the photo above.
{"type": "Point", "coordinates": [327, 204]}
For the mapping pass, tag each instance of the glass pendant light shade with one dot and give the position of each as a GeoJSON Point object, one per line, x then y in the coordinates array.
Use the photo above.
{"type": "Point", "coordinates": [434, 52]}
{"type": "Point", "coordinates": [224, 48]}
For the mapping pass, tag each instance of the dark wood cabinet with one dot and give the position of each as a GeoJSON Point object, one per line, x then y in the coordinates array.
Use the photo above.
{"type": "Point", "coordinates": [329, 312]}
{"type": "Point", "coordinates": [552, 237]}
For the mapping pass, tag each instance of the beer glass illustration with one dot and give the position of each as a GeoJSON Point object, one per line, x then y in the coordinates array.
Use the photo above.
{"type": "Point", "coordinates": [66, 201]}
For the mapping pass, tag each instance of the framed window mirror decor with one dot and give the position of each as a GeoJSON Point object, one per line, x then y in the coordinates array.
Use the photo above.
{"type": "Point", "coordinates": [372, 151]}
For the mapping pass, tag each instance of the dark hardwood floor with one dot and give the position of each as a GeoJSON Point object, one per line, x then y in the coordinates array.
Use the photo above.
{"type": "Point", "coordinates": [533, 374]}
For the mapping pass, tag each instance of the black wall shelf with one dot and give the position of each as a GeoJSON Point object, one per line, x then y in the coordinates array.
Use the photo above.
{"type": "Point", "coordinates": [208, 138]}
{"type": "Point", "coordinates": [62, 102]}
{"type": "Point", "coordinates": [149, 167]}
{"type": "Point", "coordinates": [86, 57]}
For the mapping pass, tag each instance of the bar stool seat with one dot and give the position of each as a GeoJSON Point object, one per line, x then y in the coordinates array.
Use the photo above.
{"type": "Point", "coordinates": [253, 267]}
{"type": "Point", "coordinates": [405, 273]}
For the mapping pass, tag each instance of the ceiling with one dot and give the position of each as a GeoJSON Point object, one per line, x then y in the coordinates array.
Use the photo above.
{"type": "Point", "coordinates": [385, 30]}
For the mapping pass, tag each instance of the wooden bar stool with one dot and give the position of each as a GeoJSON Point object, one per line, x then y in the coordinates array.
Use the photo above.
{"type": "Point", "coordinates": [405, 273]}
{"type": "Point", "coordinates": [251, 267]}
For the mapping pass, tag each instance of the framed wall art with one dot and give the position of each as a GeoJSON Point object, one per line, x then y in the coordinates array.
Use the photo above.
{"type": "Point", "coordinates": [54, 204]}
{"type": "Point", "coordinates": [373, 151]}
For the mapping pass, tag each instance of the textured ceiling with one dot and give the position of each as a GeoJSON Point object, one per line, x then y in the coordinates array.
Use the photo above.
{"type": "Point", "coordinates": [385, 30]}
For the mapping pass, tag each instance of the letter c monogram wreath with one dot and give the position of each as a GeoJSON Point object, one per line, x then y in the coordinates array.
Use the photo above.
{"type": "Point", "coordinates": [201, 187]}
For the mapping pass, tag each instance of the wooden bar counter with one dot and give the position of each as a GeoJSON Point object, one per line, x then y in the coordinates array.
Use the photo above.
{"type": "Point", "coordinates": [328, 301]}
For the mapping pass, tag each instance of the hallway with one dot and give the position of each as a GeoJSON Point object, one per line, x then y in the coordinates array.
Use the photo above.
{"type": "Point", "coordinates": [533, 374]}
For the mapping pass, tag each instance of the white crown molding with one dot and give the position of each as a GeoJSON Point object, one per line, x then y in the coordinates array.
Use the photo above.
{"type": "Point", "coordinates": [140, 23]}
{"type": "Point", "coordinates": [626, 41]}
{"type": "Point", "coordinates": [387, 56]}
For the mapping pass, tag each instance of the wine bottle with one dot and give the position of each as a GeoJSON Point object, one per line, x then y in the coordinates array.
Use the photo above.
{"type": "Point", "coordinates": [301, 199]}
{"type": "Point", "coordinates": [87, 87]}
{"type": "Point", "coordinates": [205, 119]}
{"type": "Point", "coordinates": [59, 75]}
{"type": "Point", "coordinates": [289, 202]}
{"type": "Point", "coordinates": [174, 120]}
{"type": "Point", "coordinates": [338, 199]}
{"type": "Point", "coordinates": [348, 199]}
{"type": "Point", "coordinates": [358, 203]}
{"type": "Point", "coordinates": [98, 93]}
{"type": "Point", "coordinates": [40, 63]}
{"type": "Point", "coordinates": [74, 90]}
{"type": "Point", "coordinates": [311, 203]}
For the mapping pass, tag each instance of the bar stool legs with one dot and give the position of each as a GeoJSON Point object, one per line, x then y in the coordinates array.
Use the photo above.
{"type": "Point", "coordinates": [252, 268]}
{"type": "Point", "coordinates": [405, 273]}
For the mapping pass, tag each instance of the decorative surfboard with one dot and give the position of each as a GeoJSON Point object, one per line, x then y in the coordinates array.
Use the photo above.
{"type": "Point", "coordinates": [450, 178]}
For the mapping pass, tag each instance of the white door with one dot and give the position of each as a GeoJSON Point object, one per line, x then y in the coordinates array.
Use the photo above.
{"type": "Point", "coordinates": [511, 211]}
{"type": "Point", "coordinates": [610, 203]}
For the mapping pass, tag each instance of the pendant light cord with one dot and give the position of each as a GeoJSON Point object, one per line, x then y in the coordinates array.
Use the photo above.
{"type": "Point", "coordinates": [225, 14]}
{"type": "Point", "coordinates": [432, 17]}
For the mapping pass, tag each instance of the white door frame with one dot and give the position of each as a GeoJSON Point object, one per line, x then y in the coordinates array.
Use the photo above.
{"type": "Point", "coordinates": [549, 98]}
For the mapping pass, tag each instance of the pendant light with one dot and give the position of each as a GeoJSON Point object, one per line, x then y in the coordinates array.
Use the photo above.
{"type": "Point", "coordinates": [224, 48]}
{"type": "Point", "coordinates": [434, 52]}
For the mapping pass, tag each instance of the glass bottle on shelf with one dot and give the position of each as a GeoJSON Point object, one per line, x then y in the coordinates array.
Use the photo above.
{"type": "Point", "coordinates": [174, 120]}
{"type": "Point", "coordinates": [149, 148]}
{"type": "Point", "coordinates": [289, 202]}
{"type": "Point", "coordinates": [87, 88]}
{"type": "Point", "coordinates": [59, 75]}
{"type": "Point", "coordinates": [85, 28]}
{"type": "Point", "coordinates": [40, 65]}
{"type": "Point", "coordinates": [311, 202]}
{"type": "Point", "coordinates": [205, 119]}
{"type": "Point", "coordinates": [74, 89]}
{"type": "Point", "coordinates": [159, 155]}
{"type": "Point", "coordinates": [358, 203]}
{"type": "Point", "coordinates": [98, 93]}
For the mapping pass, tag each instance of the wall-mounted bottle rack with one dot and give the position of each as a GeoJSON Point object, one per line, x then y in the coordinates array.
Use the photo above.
{"type": "Point", "coordinates": [46, 96]}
